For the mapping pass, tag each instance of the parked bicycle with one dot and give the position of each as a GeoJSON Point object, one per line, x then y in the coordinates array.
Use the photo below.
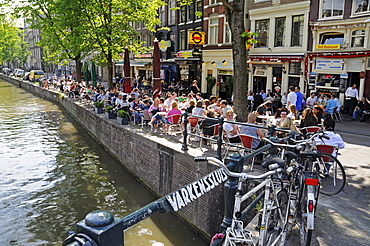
{"type": "Point", "coordinates": [274, 208]}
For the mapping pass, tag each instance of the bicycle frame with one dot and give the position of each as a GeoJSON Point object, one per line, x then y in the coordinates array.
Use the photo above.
{"type": "Point", "coordinates": [236, 231]}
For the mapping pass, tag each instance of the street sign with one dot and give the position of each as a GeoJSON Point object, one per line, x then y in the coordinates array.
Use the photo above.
{"type": "Point", "coordinates": [196, 37]}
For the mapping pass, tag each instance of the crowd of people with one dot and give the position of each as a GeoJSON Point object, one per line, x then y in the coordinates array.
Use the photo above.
{"type": "Point", "coordinates": [290, 110]}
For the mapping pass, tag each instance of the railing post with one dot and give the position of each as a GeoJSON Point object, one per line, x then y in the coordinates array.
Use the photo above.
{"type": "Point", "coordinates": [185, 132]}
{"type": "Point", "coordinates": [99, 228]}
{"type": "Point", "coordinates": [235, 164]}
{"type": "Point", "coordinates": [219, 140]}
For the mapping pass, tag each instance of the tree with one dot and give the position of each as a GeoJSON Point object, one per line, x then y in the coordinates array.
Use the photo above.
{"type": "Point", "coordinates": [13, 49]}
{"type": "Point", "coordinates": [98, 28]}
{"type": "Point", "coordinates": [235, 15]}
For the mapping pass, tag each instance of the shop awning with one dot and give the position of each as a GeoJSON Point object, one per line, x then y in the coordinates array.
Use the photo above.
{"type": "Point", "coordinates": [277, 57]}
{"type": "Point", "coordinates": [134, 64]}
{"type": "Point", "coordinates": [340, 54]}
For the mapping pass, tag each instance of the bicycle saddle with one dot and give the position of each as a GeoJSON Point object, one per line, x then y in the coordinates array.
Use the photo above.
{"type": "Point", "coordinates": [309, 154]}
{"type": "Point", "coordinates": [272, 160]}
{"type": "Point", "coordinates": [290, 155]}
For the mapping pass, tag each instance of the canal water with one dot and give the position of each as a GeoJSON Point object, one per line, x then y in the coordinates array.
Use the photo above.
{"type": "Point", "coordinates": [52, 173]}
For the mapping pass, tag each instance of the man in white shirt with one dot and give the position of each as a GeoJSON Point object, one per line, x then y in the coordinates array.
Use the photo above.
{"type": "Point", "coordinates": [352, 93]}
{"type": "Point", "coordinates": [292, 97]}
{"type": "Point", "coordinates": [311, 100]}
{"type": "Point", "coordinates": [170, 99]}
{"type": "Point", "coordinates": [335, 139]}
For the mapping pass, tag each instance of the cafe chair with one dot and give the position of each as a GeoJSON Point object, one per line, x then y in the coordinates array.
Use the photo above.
{"type": "Point", "coordinates": [175, 125]}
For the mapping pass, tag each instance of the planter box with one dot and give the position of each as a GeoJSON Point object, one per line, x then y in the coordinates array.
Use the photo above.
{"type": "Point", "coordinates": [109, 115]}
{"type": "Point", "coordinates": [99, 110]}
{"type": "Point", "coordinates": [122, 121]}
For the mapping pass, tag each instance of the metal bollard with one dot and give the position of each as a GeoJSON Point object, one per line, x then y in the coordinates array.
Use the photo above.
{"type": "Point", "coordinates": [185, 132]}
{"type": "Point", "coordinates": [98, 228]}
{"type": "Point", "coordinates": [235, 163]}
{"type": "Point", "coordinates": [219, 140]}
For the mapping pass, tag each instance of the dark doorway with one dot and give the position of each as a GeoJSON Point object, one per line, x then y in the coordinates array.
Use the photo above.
{"type": "Point", "coordinates": [293, 81]}
{"type": "Point", "coordinates": [353, 78]}
{"type": "Point", "coordinates": [259, 83]}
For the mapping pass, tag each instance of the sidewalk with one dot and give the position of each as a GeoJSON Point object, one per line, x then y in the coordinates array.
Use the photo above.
{"type": "Point", "coordinates": [352, 127]}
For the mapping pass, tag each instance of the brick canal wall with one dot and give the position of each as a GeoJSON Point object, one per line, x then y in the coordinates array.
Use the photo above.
{"type": "Point", "coordinates": [159, 163]}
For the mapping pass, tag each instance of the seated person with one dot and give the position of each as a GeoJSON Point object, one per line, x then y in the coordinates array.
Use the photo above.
{"type": "Point", "coordinates": [207, 124]}
{"type": "Point", "coordinates": [253, 131]}
{"type": "Point", "coordinates": [280, 115]}
{"type": "Point", "coordinates": [167, 120]}
{"type": "Point", "coordinates": [288, 124]}
{"type": "Point", "coordinates": [360, 110]}
{"type": "Point", "coordinates": [335, 139]}
{"type": "Point", "coordinates": [232, 130]}
{"type": "Point", "coordinates": [308, 119]}
{"type": "Point", "coordinates": [121, 102]}
{"type": "Point", "coordinates": [331, 104]}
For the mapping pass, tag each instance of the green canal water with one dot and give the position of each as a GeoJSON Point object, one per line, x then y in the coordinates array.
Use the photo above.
{"type": "Point", "coordinates": [52, 173]}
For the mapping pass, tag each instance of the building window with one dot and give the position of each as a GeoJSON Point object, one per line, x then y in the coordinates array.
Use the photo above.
{"type": "Point", "coordinates": [297, 30]}
{"type": "Point", "coordinates": [190, 12]}
{"type": "Point", "coordinates": [358, 38]}
{"type": "Point", "coordinates": [279, 32]}
{"type": "Point", "coordinates": [182, 40]}
{"type": "Point", "coordinates": [213, 29]}
{"type": "Point", "coordinates": [262, 29]}
{"type": "Point", "coordinates": [211, 2]}
{"type": "Point", "coordinates": [332, 8]}
{"type": "Point", "coordinates": [199, 9]}
{"type": "Point", "coordinates": [162, 16]}
{"type": "Point", "coordinates": [360, 6]}
{"type": "Point", "coordinates": [332, 38]}
{"type": "Point", "coordinates": [171, 12]}
{"type": "Point", "coordinates": [182, 14]}
{"type": "Point", "coordinates": [294, 68]}
{"type": "Point", "coordinates": [227, 34]}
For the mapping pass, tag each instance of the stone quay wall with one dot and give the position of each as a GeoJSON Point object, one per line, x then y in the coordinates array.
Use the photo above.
{"type": "Point", "coordinates": [158, 163]}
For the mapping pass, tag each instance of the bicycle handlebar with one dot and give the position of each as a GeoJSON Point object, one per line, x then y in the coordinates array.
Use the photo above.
{"type": "Point", "coordinates": [298, 142]}
{"type": "Point", "coordinates": [243, 176]}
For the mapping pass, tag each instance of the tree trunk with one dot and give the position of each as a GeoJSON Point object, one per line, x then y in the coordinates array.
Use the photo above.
{"type": "Point", "coordinates": [78, 68]}
{"type": "Point", "coordinates": [235, 17]}
{"type": "Point", "coordinates": [110, 69]}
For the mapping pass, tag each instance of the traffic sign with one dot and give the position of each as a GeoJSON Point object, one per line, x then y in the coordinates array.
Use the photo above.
{"type": "Point", "coordinates": [196, 37]}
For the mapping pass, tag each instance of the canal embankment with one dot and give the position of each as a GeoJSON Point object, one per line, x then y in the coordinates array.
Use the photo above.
{"type": "Point", "coordinates": [159, 163]}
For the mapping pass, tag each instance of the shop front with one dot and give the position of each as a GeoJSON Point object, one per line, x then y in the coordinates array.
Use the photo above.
{"type": "Point", "coordinates": [188, 67]}
{"type": "Point", "coordinates": [275, 72]}
{"type": "Point", "coordinates": [335, 72]}
{"type": "Point", "coordinates": [218, 65]}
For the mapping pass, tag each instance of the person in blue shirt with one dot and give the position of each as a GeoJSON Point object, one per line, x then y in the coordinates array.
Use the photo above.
{"type": "Point", "coordinates": [331, 104]}
{"type": "Point", "coordinates": [298, 103]}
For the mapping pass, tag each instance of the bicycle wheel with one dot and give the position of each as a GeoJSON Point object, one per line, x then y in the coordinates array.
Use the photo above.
{"type": "Point", "coordinates": [331, 174]}
{"type": "Point", "coordinates": [304, 233]}
{"type": "Point", "coordinates": [277, 220]}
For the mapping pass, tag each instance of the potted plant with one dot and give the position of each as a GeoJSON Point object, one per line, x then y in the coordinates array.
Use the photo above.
{"type": "Point", "coordinates": [122, 118]}
{"type": "Point", "coordinates": [109, 114]}
{"type": "Point", "coordinates": [99, 107]}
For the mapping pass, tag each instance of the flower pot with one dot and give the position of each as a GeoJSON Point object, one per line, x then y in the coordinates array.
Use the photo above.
{"type": "Point", "coordinates": [122, 121]}
{"type": "Point", "coordinates": [99, 110]}
{"type": "Point", "coordinates": [109, 115]}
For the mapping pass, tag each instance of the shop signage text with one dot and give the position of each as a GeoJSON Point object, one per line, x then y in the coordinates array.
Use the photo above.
{"type": "Point", "coordinates": [331, 64]}
{"type": "Point", "coordinates": [196, 37]}
{"type": "Point", "coordinates": [163, 45]}
{"type": "Point", "coordinates": [191, 192]}
{"type": "Point", "coordinates": [185, 54]}
{"type": "Point", "coordinates": [327, 46]}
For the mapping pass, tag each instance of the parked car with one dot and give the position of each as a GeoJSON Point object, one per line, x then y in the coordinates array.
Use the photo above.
{"type": "Point", "coordinates": [26, 76]}
{"type": "Point", "coordinates": [19, 73]}
{"type": "Point", "coordinates": [35, 74]}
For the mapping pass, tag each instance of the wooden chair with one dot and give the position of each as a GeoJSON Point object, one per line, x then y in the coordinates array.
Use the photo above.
{"type": "Point", "coordinates": [176, 123]}
{"type": "Point", "coordinates": [146, 118]}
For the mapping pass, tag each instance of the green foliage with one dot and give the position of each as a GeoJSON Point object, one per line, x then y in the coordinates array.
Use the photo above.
{"type": "Point", "coordinates": [122, 113]}
{"type": "Point", "coordinates": [99, 105]}
{"type": "Point", "coordinates": [13, 49]}
{"type": "Point", "coordinates": [108, 109]}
